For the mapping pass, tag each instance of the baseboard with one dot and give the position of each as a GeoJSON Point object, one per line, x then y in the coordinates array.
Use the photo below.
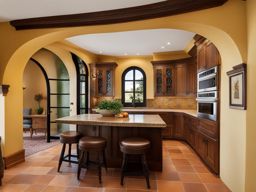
{"type": "Point", "coordinates": [14, 159]}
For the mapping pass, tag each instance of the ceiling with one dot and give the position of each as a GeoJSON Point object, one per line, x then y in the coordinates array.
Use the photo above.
{"type": "Point", "coordinates": [132, 43]}
{"type": "Point", "coordinates": [16, 9]}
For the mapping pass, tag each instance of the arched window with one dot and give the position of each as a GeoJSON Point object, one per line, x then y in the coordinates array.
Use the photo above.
{"type": "Point", "coordinates": [134, 87]}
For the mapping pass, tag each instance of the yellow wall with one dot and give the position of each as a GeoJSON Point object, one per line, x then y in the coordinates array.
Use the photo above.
{"type": "Point", "coordinates": [251, 98]}
{"type": "Point", "coordinates": [224, 26]}
{"type": "Point", "coordinates": [33, 83]}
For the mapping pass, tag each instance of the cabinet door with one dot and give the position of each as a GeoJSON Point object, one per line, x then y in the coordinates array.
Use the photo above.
{"type": "Point", "coordinates": [201, 55]}
{"type": "Point", "coordinates": [178, 130]}
{"type": "Point", "coordinates": [191, 78]}
{"type": "Point", "coordinates": [207, 148]}
{"type": "Point", "coordinates": [100, 82]}
{"type": "Point", "coordinates": [159, 82]}
{"type": "Point", "coordinates": [212, 56]}
{"type": "Point", "coordinates": [163, 80]}
{"type": "Point", "coordinates": [181, 72]}
{"type": "Point", "coordinates": [168, 119]}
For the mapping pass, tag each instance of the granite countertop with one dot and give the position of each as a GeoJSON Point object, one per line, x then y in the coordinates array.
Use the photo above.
{"type": "Point", "coordinates": [134, 120]}
{"type": "Point", "coordinates": [146, 109]}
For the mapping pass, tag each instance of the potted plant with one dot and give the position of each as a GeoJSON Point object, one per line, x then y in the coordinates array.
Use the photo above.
{"type": "Point", "coordinates": [109, 108]}
{"type": "Point", "coordinates": [39, 98]}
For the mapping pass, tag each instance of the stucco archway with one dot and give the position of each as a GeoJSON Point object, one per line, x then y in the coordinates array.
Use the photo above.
{"type": "Point", "coordinates": [229, 45]}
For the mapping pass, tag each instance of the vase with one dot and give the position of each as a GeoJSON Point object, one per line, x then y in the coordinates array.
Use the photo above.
{"type": "Point", "coordinates": [105, 112]}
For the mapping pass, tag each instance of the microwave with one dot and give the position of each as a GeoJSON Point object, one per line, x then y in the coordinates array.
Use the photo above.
{"type": "Point", "coordinates": [207, 104]}
{"type": "Point", "coordinates": [207, 80]}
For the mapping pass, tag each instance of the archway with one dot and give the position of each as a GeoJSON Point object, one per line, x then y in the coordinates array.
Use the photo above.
{"type": "Point", "coordinates": [231, 54]}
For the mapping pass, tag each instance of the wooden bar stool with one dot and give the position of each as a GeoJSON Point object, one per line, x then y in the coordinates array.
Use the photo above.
{"type": "Point", "coordinates": [134, 147]}
{"type": "Point", "coordinates": [68, 137]}
{"type": "Point", "coordinates": [89, 144]}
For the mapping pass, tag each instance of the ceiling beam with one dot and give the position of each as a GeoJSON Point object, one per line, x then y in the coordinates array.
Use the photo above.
{"type": "Point", "coordinates": [160, 9]}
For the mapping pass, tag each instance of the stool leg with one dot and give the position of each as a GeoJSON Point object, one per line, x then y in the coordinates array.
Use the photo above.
{"type": "Point", "coordinates": [77, 151]}
{"type": "Point", "coordinates": [99, 165]}
{"type": "Point", "coordinates": [123, 168]}
{"type": "Point", "coordinates": [69, 153]}
{"type": "Point", "coordinates": [145, 169]}
{"type": "Point", "coordinates": [80, 162]}
{"type": "Point", "coordinates": [104, 160]}
{"type": "Point", "coordinates": [61, 155]}
{"type": "Point", "coordinates": [87, 159]}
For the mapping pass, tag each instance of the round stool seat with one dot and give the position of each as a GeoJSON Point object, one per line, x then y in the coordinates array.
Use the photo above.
{"type": "Point", "coordinates": [70, 137]}
{"type": "Point", "coordinates": [134, 145]}
{"type": "Point", "coordinates": [92, 143]}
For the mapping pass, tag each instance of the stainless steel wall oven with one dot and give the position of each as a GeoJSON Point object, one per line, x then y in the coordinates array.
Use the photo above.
{"type": "Point", "coordinates": [207, 93]}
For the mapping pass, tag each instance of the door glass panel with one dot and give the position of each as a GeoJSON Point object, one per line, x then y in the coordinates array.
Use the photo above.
{"type": "Point", "coordinates": [168, 80]}
{"type": "Point", "coordinates": [59, 86]}
{"type": "Point", "coordinates": [109, 82]}
{"type": "Point", "coordinates": [159, 77]}
{"type": "Point", "coordinates": [59, 100]}
{"type": "Point", "coordinates": [82, 101]}
{"type": "Point", "coordinates": [82, 87]}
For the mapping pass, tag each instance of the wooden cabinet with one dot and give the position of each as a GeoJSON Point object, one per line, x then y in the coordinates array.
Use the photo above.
{"type": "Point", "coordinates": [104, 74]}
{"type": "Point", "coordinates": [207, 54]}
{"type": "Point", "coordinates": [169, 120]}
{"type": "Point", "coordinates": [181, 77]}
{"type": "Point", "coordinates": [208, 149]}
{"type": "Point", "coordinates": [190, 129]}
{"type": "Point", "coordinates": [175, 77]}
{"type": "Point", "coordinates": [164, 79]}
{"type": "Point", "coordinates": [178, 129]}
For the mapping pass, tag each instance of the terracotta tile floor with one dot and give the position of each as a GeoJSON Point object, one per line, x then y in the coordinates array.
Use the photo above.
{"type": "Point", "coordinates": [182, 172]}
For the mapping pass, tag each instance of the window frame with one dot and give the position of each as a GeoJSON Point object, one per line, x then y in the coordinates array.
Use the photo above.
{"type": "Point", "coordinates": [134, 68]}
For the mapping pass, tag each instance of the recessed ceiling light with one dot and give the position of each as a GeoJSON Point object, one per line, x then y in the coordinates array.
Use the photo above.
{"type": "Point", "coordinates": [162, 47]}
{"type": "Point", "coordinates": [168, 43]}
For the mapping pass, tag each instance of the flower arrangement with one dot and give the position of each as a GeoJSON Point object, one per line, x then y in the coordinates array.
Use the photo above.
{"type": "Point", "coordinates": [39, 97]}
{"type": "Point", "coordinates": [113, 106]}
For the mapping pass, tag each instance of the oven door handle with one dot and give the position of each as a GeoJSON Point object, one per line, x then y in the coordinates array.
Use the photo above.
{"type": "Point", "coordinates": [207, 77]}
{"type": "Point", "coordinates": [208, 100]}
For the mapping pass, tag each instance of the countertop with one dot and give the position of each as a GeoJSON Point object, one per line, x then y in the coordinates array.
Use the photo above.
{"type": "Point", "coordinates": [145, 109]}
{"type": "Point", "coordinates": [134, 120]}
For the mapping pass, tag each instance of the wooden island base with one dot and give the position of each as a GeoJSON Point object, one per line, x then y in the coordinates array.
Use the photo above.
{"type": "Point", "coordinates": [116, 134]}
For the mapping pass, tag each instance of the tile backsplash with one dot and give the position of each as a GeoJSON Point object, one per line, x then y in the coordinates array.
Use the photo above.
{"type": "Point", "coordinates": [160, 102]}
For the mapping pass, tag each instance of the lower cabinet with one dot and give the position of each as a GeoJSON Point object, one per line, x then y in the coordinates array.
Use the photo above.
{"type": "Point", "coordinates": [169, 120]}
{"type": "Point", "coordinates": [208, 149]}
{"type": "Point", "coordinates": [178, 126]}
{"type": "Point", "coordinates": [200, 134]}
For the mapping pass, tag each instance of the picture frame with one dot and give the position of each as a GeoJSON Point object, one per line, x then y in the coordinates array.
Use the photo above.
{"type": "Point", "coordinates": [237, 87]}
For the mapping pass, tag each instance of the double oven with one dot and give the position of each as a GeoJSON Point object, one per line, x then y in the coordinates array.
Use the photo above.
{"type": "Point", "coordinates": [207, 93]}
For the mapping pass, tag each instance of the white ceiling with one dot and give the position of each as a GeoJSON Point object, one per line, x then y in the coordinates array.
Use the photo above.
{"type": "Point", "coordinates": [143, 42]}
{"type": "Point", "coordinates": [22, 9]}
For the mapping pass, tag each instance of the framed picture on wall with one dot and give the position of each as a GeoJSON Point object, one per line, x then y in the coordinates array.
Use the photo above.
{"type": "Point", "coordinates": [237, 87]}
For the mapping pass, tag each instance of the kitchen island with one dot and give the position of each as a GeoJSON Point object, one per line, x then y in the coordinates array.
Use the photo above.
{"type": "Point", "coordinates": [116, 129]}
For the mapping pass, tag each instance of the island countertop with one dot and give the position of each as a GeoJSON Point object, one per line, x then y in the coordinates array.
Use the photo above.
{"type": "Point", "coordinates": [134, 120]}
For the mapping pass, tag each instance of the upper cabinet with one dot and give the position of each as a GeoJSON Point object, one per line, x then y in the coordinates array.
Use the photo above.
{"type": "Point", "coordinates": [164, 79]}
{"type": "Point", "coordinates": [175, 77]}
{"type": "Point", "coordinates": [207, 54]}
{"type": "Point", "coordinates": [103, 73]}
